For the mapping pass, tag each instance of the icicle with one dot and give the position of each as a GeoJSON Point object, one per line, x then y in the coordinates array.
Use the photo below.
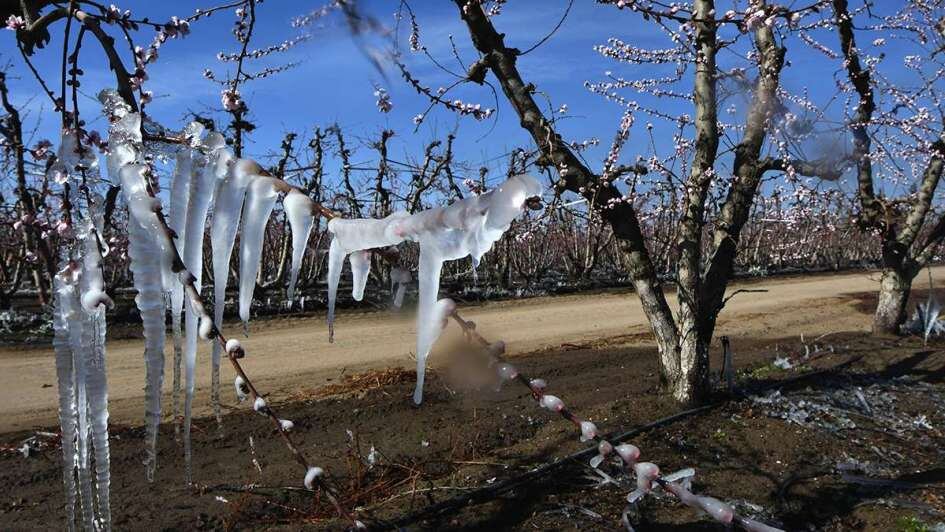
{"type": "Point", "coordinates": [360, 268]}
{"type": "Point", "coordinates": [466, 227]}
{"type": "Point", "coordinates": [350, 236]}
{"type": "Point", "coordinates": [430, 324]}
{"type": "Point", "coordinates": [260, 199]}
{"type": "Point", "coordinates": [145, 254]}
{"type": "Point", "coordinates": [67, 400]}
{"type": "Point", "coordinates": [94, 302]}
{"type": "Point", "coordinates": [177, 221]}
{"type": "Point", "coordinates": [298, 209]}
{"type": "Point", "coordinates": [202, 182]}
{"type": "Point", "coordinates": [147, 262]}
{"type": "Point", "coordinates": [78, 340]}
{"type": "Point", "coordinates": [228, 204]}
{"type": "Point", "coordinates": [399, 278]}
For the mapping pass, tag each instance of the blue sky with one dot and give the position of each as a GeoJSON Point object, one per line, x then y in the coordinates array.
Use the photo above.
{"type": "Point", "coordinates": [334, 81]}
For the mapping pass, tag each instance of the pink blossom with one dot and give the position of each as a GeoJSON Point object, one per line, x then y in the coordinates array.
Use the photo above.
{"type": "Point", "coordinates": [15, 23]}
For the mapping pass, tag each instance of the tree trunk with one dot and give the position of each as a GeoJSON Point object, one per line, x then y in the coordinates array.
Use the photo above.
{"type": "Point", "coordinates": [684, 367]}
{"type": "Point", "coordinates": [893, 296]}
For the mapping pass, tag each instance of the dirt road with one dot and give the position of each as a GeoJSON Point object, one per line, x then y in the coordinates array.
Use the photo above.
{"type": "Point", "coordinates": [284, 354]}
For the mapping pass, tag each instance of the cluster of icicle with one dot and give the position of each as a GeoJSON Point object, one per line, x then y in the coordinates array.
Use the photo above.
{"type": "Point", "coordinates": [465, 227]}
{"type": "Point", "coordinates": [206, 175]}
{"type": "Point", "coordinates": [166, 266]}
{"type": "Point", "coordinates": [79, 344]}
{"type": "Point", "coordinates": [648, 477]}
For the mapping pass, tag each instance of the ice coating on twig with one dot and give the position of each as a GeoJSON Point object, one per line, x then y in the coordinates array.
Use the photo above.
{"type": "Point", "coordinates": [286, 424]}
{"type": "Point", "coordinates": [227, 206]}
{"type": "Point", "coordinates": [684, 495]}
{"type": "Point", "coordinates": [506, 371]}
{"type": "Point", "coordinates": [750, 525]}
{"type": "Point", "coordinates": [260, 199]}
{"type": "Point", "coordinates": [298, 209]}
{"type": "Point", "coordinates": [716, 509]}
{"type": "Point", "coordinates": [428, 331]}
{"type": "Point", "coordinates": [466, 227]}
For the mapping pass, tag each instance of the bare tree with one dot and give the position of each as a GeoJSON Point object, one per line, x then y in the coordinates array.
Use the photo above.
{"type": "Point", "coordinates": [906, 226]}
{"type": "Point", "coordinates": [703, 269]}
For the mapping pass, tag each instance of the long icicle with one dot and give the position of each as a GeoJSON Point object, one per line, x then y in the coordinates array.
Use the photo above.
{"type": "Point", "coordinates": [298, 209]}
{"type": "Point", "coordinates": [94, 302]}
{"type": "Point", "coordinates": [67, 400]}
{"type": "Point", "coordinates": [260, 199]}
{"type": "Point", "coordinates": [202, 184]}
{"type": "Point", "coordinates": [228, 204]}
{"type": "Point", "coordinates": [148, 269]}
{"type": "Point", "coordinates": [177, 216]}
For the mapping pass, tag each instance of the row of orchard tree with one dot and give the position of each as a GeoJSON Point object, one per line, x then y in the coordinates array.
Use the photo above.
{"type": "Point", "coordinates": [794, 227]}
{"type": "Point", "coordinates": [735, 191]}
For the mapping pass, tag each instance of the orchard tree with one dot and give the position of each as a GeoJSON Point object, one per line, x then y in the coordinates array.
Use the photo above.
{"type": "Point", "coordinates": [898, 134]}
{"type": "Point", "coordinates": [717, 189]}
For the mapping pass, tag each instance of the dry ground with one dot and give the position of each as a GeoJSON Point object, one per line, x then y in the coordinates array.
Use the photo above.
{"type": "Point", "coordinates": [595, 353]}
{"type": "Point", "coordinates": [288, 353]}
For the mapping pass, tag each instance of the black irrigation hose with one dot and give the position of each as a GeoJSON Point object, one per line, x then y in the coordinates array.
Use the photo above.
{"type": "Point", "coordinates": [490, 492]}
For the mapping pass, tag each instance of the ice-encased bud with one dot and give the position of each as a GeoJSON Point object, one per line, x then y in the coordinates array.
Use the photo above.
{"type": "Point", "coordinates": [552, 403]}
{"type": "Point", "coordinates": [240, 385]}
{"type": "Point", "coordinates": [604, 448]}
{"type": "Point", "coordinates": [537, 384]}
{"type": "Point", "coordinates": [233, 345]}
{"type": "Point", "coordinates": [311, 475]}
{"type": "Point", "coordinates": [646, 473]}
{"type": "Point", "coordinates": [628, 453]}
{"type": "Point", "coordinates": [286, 425]}
{"type": "Point", "coordinates": [259, 405]}
{"type": "Point", "coordinates": [588, 431]}
{"type": "Point", "coordinates": [206, 327]}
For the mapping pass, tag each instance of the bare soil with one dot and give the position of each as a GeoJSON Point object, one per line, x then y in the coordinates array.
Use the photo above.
{"type": "Point", "coordinates": [595, 352]}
